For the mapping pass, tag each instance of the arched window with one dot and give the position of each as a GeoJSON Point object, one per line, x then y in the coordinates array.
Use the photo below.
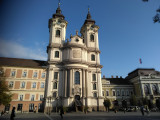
{"type": "Point", "coordinates": [154, 88]}
{"type": "Point", "coordinates": [92, 38]}
{"type": "Point", "coordinates": [77, 77]}
{"type": "Point", "coordinates": [55, 94]}
{"type": "Point", "coordinates": [93, 77]}
{"type": "Point", "coordinates": [146, 89]}
{"type": "Point", "coordinates": [55, 85]}
{"type": "Point", "coordinates": [92, 57]}
{"type": "Point", "coordinates": [94, 86]}
{"type": "Point", "coordinates": [58, 33]}
{"type": "Point", "coordinates": [56, 54]}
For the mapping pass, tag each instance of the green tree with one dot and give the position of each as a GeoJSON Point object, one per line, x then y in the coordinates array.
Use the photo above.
{"type": "Point", "coordinates": [156, 18]}
{"type": "Point", "coordinates": [107, 104]}
{"type": "Point", "coordinates": [5, 94]}
{"type": "Point", "coordinates": [133, 100]}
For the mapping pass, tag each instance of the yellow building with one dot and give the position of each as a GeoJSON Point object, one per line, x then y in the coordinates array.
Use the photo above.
{"type": "Point", "coordinates": [26, 81]}
{"type": "Point", "coordinates": [117, 90]}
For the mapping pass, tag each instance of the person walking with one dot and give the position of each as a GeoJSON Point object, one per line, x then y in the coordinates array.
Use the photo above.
{"type": "Point", "coordinates": [12, 114]}
{"type": "Point", "coordinates": [61, 112]}
{"type": "Point", "coordinates": [142, 110]}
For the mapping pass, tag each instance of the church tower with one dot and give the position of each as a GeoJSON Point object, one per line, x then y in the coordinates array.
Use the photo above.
{"type": "Point", "coordinates": [74, 70]}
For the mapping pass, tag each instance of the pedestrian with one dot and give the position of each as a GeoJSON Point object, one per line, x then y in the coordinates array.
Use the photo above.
{"type": "Point", "coordinates": [124, 110]}
{"type": "Point", "coordinates": [142, 110]}
{"type": "Point", "coordinates": [12, 114]}
{"type": "Point", "coordinates": [61, 112]}
{"type": "Point", "coordinates": [147, 109]}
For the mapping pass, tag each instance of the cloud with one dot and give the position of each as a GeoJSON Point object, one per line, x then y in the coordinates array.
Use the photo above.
{"type": "Point", "coordinates": [17, 50]}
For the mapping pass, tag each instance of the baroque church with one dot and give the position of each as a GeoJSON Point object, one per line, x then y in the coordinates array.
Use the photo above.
{"type": "Point", "coordinates": [71, 77]}
{"type": "Point", "coordinates": [74, 69]}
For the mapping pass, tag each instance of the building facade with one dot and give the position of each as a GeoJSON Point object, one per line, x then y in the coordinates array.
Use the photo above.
{"type": "Point", "coordinates": [117, 90]}
{"type": "Point", "coordinates": [74, 70]}
{"type": "Point", "coordinates": [26, 81]}
{"type": "Point", "coordinates": [146, 83]}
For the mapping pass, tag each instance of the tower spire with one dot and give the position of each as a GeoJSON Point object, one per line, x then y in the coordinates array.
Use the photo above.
{"type": "Point", "coordinates": [58, 11]}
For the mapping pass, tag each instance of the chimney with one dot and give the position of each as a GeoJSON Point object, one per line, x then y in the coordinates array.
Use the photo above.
{"type": "Point", "coordinates": [116, 76]}
{"type": "Point", "coordinates": [112, 76]}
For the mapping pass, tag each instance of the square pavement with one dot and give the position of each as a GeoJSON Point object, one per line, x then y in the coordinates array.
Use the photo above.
{"type": "Point", "coordinates": [89, 116]}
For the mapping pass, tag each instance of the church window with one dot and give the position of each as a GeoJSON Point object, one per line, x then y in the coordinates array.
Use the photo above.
{"type": "Point", "coordinates": [55, 75]}
{"type": "Point", "coordinates": [92, 38]}
{"type": "Point", "coordinates": [154, 88]}
{"type": "Point", "coordinates": [92, 57]}
{"type": "Point", "coordinates": [58, 32]}
{"type": "Point", "coordinates": [77, 78]}
{"type": "Point", "coordinates": [55, 94]}
{"type": "Point", "coordinates": [94, 86]}
{"type": "Point", "coordinates": [55, 85]}
{"type": "Point", "coordinates": [94, 94]}
{"type": "Point", "coordinates": [93, 77]}
{"type": "Point", "coordinates": [56, 54]}
{"type": "Point", "coordinates": [146, 89]}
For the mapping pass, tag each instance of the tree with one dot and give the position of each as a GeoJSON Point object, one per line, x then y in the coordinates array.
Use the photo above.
{"type": "Point", "coordinates": [5, 94]}
{"type": "Point", "coordinates": [156, 18]}
{"type": "Point", "coordinates": [133, 100]}
{"type": "Point", "coordinates": [107, 104]}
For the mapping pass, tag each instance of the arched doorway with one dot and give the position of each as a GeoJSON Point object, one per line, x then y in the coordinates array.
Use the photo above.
{"type": "Point", "coordinates": [77, 97]}
{"type": "Point", "coordinates": [78, 103]}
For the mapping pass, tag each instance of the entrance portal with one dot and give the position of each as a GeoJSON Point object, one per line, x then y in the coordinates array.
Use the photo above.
{"type": "Point", "coordinates": [77, 97]}
{"type": "Point", "coordinates": [78, 103]}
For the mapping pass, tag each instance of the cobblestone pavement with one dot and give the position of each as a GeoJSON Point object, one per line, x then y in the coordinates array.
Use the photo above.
{"type": "Point", "coordinates": [88, 116]}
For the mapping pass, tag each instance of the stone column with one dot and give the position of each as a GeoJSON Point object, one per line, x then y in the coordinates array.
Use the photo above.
{"type": "Point", "coordinates": [70, 90]}
{"type": "Point", "coordinates": [158, 87]}
{"type": "Point", "coordinates": [83, 83]}
{"type": "Point", "coordinates": [86, 82]}
{"type": "Point", "coordinates": [142, 89]}
{"type": "Point", "coordinates": [150, 89]}
{"type": "Point", "coordinates": [65, 84]}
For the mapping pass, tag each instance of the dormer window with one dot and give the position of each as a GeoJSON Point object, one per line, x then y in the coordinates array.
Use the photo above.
{"type": "Point", "coordinates": [58, 33]}
{"type": "Point", "coordinates": [92, 38]}
{"type": "Point", "coordinates": [92, 57]}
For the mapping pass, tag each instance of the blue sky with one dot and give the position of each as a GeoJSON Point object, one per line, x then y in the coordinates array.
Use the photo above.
{"type": "Point", "coordinates": [126, 32]}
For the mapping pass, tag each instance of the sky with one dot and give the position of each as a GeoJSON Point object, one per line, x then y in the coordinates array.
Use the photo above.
{"type": "Point", "coordinates": [127, 32]}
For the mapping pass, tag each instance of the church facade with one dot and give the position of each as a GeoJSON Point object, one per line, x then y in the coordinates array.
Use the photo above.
{"type": "Point", "coordinates": [74, 70]}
